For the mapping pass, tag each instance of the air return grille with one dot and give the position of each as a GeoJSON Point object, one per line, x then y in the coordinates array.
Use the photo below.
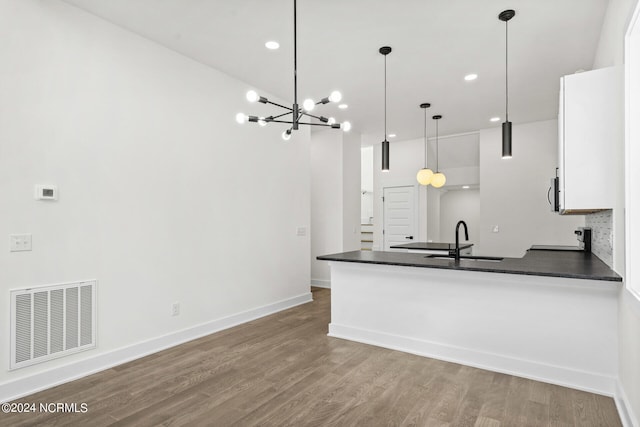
{"type": "Point", "coordinates": [52, 321]}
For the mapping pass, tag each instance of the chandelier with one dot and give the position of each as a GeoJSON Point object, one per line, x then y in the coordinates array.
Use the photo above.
{"type": "Point", "coordinates": [296, 112]}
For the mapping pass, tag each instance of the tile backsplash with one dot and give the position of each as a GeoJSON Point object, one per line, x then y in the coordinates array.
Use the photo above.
{"type": "Point", "coordinates": [601, 224]}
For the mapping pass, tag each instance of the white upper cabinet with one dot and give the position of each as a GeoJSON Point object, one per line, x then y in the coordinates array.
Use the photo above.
{"type": "Point", "coordinates": [589, 127]}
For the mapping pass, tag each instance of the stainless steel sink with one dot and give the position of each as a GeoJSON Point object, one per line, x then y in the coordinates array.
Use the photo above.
{"type": "Point", "coordinates": [467, 258]}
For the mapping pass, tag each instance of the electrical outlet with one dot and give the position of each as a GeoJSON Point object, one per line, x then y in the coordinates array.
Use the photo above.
{"type": "Point", "coordinates": [496, 229]}
{"type": "Point", "coordinates": [175, 309]}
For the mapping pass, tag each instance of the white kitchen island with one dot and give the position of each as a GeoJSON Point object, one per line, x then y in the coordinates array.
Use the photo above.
{"type": "Point", "coordinates": [539, 325]}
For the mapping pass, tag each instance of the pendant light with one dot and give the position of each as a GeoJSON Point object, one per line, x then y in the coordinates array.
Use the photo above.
{"type": "Point", "coordinates": [385, 50]}
{"type": "Point", "coordinates": [438, 179]}
{"type": "Point", "coordinates": [505, 16]}
{"type": "Point", "coordinates": [425, 174]}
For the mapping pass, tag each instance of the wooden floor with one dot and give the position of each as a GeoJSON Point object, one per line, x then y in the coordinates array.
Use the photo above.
{"type": "Point", "coordinates": [283, 370]}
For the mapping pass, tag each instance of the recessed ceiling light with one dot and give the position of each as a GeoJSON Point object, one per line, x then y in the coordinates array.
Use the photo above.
{"type": "Point", "coordinates": [465, 187]}
{"type": "Point", "coordinates": [343, 106]}
{"type": "Point", "coordinates": [470, 77]}
{"type": "Point", "coordinates": [392, 135]}
{"type": "Point", "coordinates": [273, 45]}
{"type": "Point", "coordinates": [494, 119]}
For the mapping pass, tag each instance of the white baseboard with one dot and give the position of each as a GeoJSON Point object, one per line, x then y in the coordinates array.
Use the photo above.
{"type": "Point", "coordinates": [628, 418]}
{"type": "Point", "coordinates": [321, 283]}
{"type": "Point", "coordinates": [587, 381]}
{"type": "Point", "coordinates": [43, 380]}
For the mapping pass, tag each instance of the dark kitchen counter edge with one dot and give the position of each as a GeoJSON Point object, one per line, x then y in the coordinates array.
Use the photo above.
{"type": "Point", "coordinates": [572, 265]}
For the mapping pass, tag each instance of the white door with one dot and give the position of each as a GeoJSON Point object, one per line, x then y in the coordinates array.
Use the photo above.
{"type": "Point", "coordinates": [399, 216]}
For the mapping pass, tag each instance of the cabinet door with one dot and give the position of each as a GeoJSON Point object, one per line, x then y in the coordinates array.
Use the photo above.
{"type": "Point", "coordinates": [590, 129]}
{"type": "Point", "coordinates": [561, 143]}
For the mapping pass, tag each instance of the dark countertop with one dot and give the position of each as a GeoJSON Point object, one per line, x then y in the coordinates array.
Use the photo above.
{"type": "Point", "coordinates": [575, 265]}
{"type": "Point", "coordinates": [431, 246]}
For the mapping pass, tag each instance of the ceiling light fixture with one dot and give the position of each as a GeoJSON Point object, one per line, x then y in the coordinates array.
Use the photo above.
{"type": "Point", "coordinates": [296, 112]}
{"type": "Point", "coordinates": [425, 174]}
{"type": "Point", "coordinates": [385, 50]}
{"type": "Point", "coordinates": [343, 106]}
{"type": "Point", "coordinates": [494, 119]}
{"type": "Point", "coordinates": [470, 77]}
{"type": "Point", "coordinates": [392, 135]}
{"type": "Point", "coordinates": [438, 179]}
{"type": "Point", "coordinates": [505, 16]}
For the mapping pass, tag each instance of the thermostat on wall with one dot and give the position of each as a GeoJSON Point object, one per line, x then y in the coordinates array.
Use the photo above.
{"type": "Point", "coordinates": [46, 192]}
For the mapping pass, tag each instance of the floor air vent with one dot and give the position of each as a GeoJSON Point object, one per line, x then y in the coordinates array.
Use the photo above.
{"type": "Point", "coordinates": [52, 321]}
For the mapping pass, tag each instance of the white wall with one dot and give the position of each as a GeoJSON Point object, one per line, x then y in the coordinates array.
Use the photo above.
{"type": "Point", "coordinates": [611, 43]}
{"type": "Point", "coordinates": [611, 52]}
{"type": "Point", "coordinates": [433, 214]}
{"type": "Point", "coordinates": [460, 205]}
{"type": "Point", "coordinates": [514, 192]}
{"type": "Point", "coordinates": [326, 201]}
{"type": "Point", "coordinates": [366, 174]}
{"type": "Point", "coordinates": [351, 195]}
{"type": "Point", "coordinates": [629, 352]}
{"type": "Point", "coordinates": [335, 198]}
{"type": "Point", "coordinates": [163, 197]}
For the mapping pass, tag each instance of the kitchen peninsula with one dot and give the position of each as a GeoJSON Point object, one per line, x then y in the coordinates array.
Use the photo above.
{"type": "Point", "coordinates": [549, 316]}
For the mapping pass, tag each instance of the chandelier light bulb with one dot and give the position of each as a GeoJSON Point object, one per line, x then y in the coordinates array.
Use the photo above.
{"type": "Point", "coordinates": [424, 176]}
{"type": "Point", "coordinates": [332, 120]}
{"type": "Point", "coordinates": [286, 135]}
{"type": "Point", "coordinates": [241, 118]}
{"type": "Point", "coordinates": [346, 126]}
{"type": "Point", "coordinates": [308, 104]}
{"type": "Point", "coordinates": [262, 122]}
{"type": "Point", "coordinates": [335, 96]}
{"type": "Point", "coordinates": [252, 96]}
{"type": "Point", "coordinates": [438, 180]}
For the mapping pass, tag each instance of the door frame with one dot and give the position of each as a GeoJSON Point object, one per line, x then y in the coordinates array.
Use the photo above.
{"type": "Point", "coordinates": [416, 211]}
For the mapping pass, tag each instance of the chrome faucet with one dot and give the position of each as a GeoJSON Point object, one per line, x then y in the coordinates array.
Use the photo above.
{"type": "Point", "coordinates": [466, 237]}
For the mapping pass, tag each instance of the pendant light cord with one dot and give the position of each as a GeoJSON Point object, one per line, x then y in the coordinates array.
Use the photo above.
{"type": "Point", "coordinates": [506, 68]}
{"type": "Point", "coordinates": [295, 58]}
{"type": "Point", "coordinates": [437, 150]}
{"type": "Point", "coordinates": [425, 138]}
{"type": "Point", "coordinates": [385, 97]}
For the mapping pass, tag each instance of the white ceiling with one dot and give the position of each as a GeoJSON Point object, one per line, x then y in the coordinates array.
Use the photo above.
{"type": "Point", "coordinates": [435, 43]}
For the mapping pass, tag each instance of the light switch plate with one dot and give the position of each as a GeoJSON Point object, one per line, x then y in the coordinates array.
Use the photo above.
{"type": "Point", "coordinates": [19, 242]}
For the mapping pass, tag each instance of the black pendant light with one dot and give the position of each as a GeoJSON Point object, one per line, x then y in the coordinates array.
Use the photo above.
{"type": "Point", "coordinates": [385, 50]}
{"type": "Point", "coordinates": [438, 179]}
{"type": "Point", "coordinates": [505, 16]}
